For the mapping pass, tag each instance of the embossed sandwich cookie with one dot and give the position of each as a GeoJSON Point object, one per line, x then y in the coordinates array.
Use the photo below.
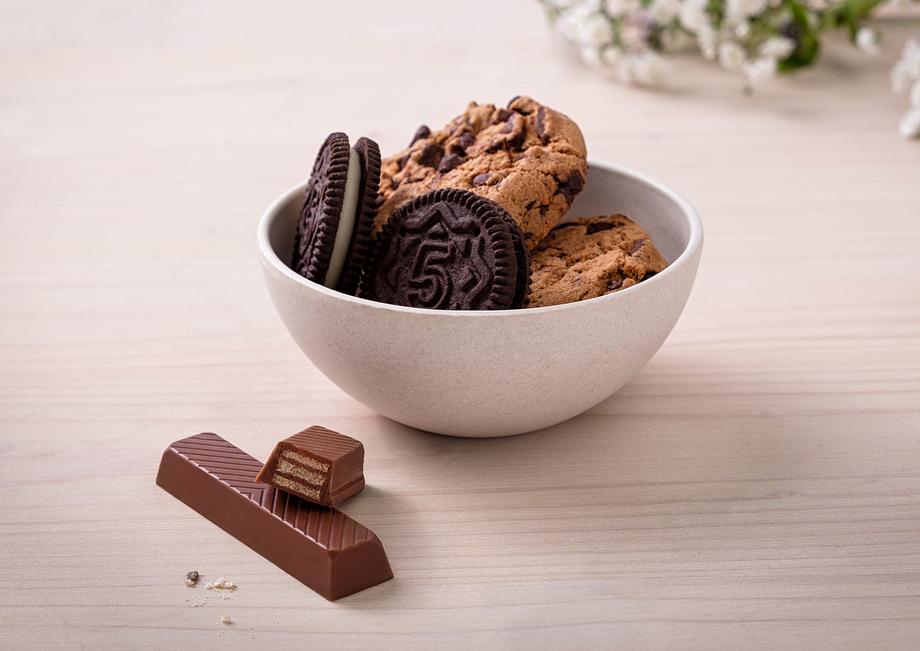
{"type": "Point", "coordinates": [590, 257]}
{"type": "Point", "coordinates": [528, 158]}
{"type": "Point", "coordinates": [332, 244]}
{"type": "Point", "coordinates": [450, 249]}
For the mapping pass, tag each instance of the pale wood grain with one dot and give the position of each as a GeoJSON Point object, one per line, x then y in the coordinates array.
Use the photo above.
{"type": "Point", "coordinates": [756, 486]}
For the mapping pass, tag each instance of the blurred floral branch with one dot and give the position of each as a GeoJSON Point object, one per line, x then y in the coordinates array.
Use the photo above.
{"type": "Point", "coordinates": [629, 39]}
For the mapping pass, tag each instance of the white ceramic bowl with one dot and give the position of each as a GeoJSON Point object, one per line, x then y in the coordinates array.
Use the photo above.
{"type": "Point", "coordinates": [492, 373]}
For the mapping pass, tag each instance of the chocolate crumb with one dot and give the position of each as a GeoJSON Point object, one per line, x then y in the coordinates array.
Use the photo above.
{"type": "Point", "coordinates": [422, 132]}
{"type": "Point", "coordinates": [636, 246]}
{"type": "Point", "coordinates": [572, 186]}
{"type": "Point", "coordinates": [596, 227]}
{"type": "Point", "coordinates": [449, 162]}
{"type": "Point", "coordinates": [540, 124]}
{"type": "Point", "coordinates": [431, 155]}
{"type": "Point", "coordinates": [482, 179]}
{"type": "Point", "coordinates": [191, 578]}
{"type": "Point", "coordinates": [466, 140]}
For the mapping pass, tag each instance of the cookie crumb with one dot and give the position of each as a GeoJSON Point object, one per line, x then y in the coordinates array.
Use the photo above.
{"type": "Point", "coordinates": [221, 584]}
{"type": "Point", "coordinates": [226, 620]}
{"type": "Point", "coordinates": [191, 578]}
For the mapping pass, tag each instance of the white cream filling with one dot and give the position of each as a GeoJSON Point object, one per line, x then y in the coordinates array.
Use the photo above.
{"type": "Point", "coordinates": [346, 221]}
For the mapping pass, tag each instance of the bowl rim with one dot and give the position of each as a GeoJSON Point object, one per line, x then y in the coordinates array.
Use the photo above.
{"type": "Point", "coordinates": [694, 242]}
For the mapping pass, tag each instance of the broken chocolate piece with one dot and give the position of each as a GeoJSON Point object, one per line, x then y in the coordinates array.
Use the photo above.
{"type": "Point", "coordinates": [431, 155]}
{"type": "Point", "coordinates": [317, 464]}
{"type": "Point", "coordinates": [321, 547]}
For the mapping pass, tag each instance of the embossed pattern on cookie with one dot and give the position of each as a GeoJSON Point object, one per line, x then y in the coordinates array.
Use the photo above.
{"type": "Point", "coordinates": [450, 249]}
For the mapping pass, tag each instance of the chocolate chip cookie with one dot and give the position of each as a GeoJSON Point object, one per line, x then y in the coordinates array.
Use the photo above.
{"type": "Point", "coordinates": [591, 257]}
{"type": "Point", "coordinates": [527, 157]}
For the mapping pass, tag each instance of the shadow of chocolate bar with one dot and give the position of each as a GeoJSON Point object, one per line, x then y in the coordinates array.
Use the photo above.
{"type": "Point", "coordinates": [317, 464]}
{"type": "Point", "coordinates": [322, 547]}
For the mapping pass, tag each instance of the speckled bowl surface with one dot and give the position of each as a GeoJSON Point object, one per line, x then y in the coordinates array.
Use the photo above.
{"type": "Point", "coordinates": [492, 373]}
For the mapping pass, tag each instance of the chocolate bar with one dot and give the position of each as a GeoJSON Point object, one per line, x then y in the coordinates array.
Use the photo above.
{"type": "Point", "coordinates": [322, 547]}
{"type": "Point", "coordinates": [317, 464]}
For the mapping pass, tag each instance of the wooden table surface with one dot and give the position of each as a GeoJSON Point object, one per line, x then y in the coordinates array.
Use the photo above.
{"type": "Point", "coordinates": [756, 486]}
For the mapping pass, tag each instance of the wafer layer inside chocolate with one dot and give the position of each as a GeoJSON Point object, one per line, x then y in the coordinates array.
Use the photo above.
{"type": "Point", "coordinates": [317, 464]}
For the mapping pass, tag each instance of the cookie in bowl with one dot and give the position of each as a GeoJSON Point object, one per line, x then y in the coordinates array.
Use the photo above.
{"type": "Point", "coordinates": [526, 157]}
{"type": "Point", "coordinates": [453, 250]}
{"type": "Point", "coordinates": [332, 242]}
{"type": "Point", "coordinates": [590, 257]}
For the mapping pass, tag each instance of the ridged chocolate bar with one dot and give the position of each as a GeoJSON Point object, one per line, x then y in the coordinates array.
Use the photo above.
{"type": "Point", "coordinates": [317, 464]}
{"type": "Point", "coordinates": [323, 548]}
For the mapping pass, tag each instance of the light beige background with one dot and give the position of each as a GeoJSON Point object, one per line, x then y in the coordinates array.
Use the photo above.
{"type": "Point", "coordinates": [757, 486]}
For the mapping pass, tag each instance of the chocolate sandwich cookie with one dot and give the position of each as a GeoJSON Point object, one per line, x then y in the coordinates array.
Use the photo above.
{"type": "Point", "coordinates": [332, 244]}
{"type": "Point", "coordinates": [453, 250]}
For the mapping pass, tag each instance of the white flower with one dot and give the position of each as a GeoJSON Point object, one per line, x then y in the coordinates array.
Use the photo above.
{"type": "Point", "coordinates": [664, 11]}
{"type": "Point", "coordinates": [571, 23]}
{"type": "Point", "coordinates": [907, 69]}
{"type": "Point", "coordinates": [731, 55]}
{"type": "Point", "coordinates": [590, 56]}
{"type": "Point", "coordinates": [777, 47]}
{"type": "Point", "coordinates": [743, 30]}
{"type": "Point", "coordinates": [693, 14]}
{"type": "Point", "coordinates": [740, 10]}
{"type": "Point", "coordinates": [611, 56]}
{"type": "Point", "coordinates": [915, 95]}
{"type": "Point", "coordinates": [595, 30]}
{"type": "Point", "coordinates": [616, 8]}
{"type": "Point", "coordinates": [633, 35]}
{"type": "Point", "coordinates": [759, 71]}
{"type": "Point", "coordinates": [911, 57]}
{"type": "Point", "coordinates": [867, 39]}
{"type": "Point", "coordinates": [706, 40]}
{"type": "Point", "coordinates": [910, 124]}
{"type": "Point", "coordinates": [648, 69]}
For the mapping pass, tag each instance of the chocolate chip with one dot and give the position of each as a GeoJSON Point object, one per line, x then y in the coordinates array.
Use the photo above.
{"type": "Point", "coordinates": [422, 132]}
{"type": "Point", "coordinates": [615, 283]}
{"type": "Point", "coordinates": [431, 155]}
{"type": "Point", "coordinates": [597, 227]}
{"type": "Point", "coordinates": [572, 186]}
{"type": "Point", "coordinates": [516, 140]}
{"type": "Point", "coordinates": [449, 162]}
{"type": "Point", "coordinates": [466, 140]}
{"type": "Point", "coordinates": [540, 124]}
{"type": "Point", "coordinates": [402, 161]}
{"type": "Point", "coordinates": [502, 115]}
{"type": "Point", "coordinates": [482, 179]}
{"type": "Point", "coordinates": [191, 578]}
{"type": "Point", "coordinates": [636, 246]}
